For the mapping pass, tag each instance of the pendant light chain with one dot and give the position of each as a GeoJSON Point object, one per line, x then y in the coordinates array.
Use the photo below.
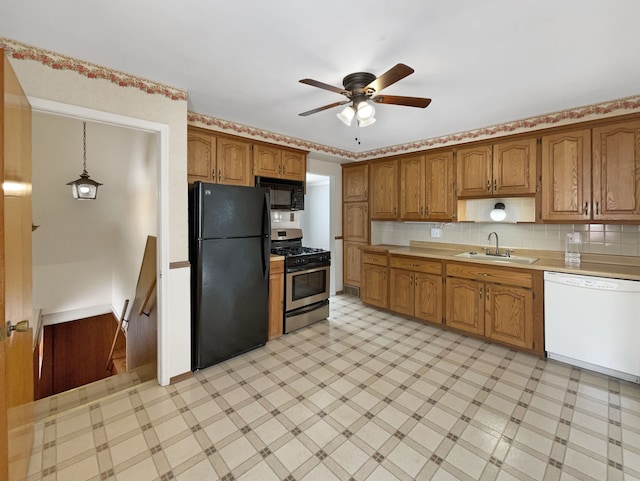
{"type": "Point", "coordinates": [84, 147]}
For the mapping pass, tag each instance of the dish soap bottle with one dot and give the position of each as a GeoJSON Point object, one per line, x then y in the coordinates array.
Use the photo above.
{"type": "Point", "coordinates": [572, 247]}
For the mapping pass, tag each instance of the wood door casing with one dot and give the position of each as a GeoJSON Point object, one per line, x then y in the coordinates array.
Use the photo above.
{"type": "Point", "coordinates": [566, 176]}
{"type": "Point", "coordinates": [16, 355]}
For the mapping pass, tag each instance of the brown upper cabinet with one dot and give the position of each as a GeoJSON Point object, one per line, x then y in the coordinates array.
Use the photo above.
{"type": "Point", "coordinates": [505, 168]}
{"type": "Point", "coordinates": [355, 182]}
{"type": "Point", "coordinates": [566, 176]}
{"type": "Point", "coordinates": [383, 184]}
{"type": "Point", "coordinates": [278, 163]}
{"type": "Point", "coordinates": [592, 175]}
{"type": "Point", "coordinates": [219, 160]}
{"type": "Point", "coordinates": [426, 187]}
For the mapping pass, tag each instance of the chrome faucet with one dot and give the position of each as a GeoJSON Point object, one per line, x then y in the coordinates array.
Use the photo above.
{"type": "Point", "coordinates": [497, 252]}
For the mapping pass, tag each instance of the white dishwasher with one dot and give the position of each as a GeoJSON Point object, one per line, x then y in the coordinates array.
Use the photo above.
{"type": "Point", "coordinates": [593, 322]}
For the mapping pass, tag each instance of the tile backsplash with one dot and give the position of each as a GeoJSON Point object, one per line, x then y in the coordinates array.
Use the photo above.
{"type": "Point", "coordinates": [596, 238]}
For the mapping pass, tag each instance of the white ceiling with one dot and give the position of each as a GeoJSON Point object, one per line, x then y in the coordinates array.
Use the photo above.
{"type": "Point", "coordinates": [482, 62]}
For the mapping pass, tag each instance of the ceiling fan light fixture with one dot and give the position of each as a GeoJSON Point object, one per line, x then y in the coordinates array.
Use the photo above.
{"type": "Point", "coordinates": [364, 123]}
{"type": "Point", "coordinates": [346, 115]}
{"type": "Point", "coordinates": [365, 111]}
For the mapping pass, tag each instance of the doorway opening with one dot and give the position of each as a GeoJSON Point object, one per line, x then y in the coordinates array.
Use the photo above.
{"type": "Point", "coordinates": [88, 254]}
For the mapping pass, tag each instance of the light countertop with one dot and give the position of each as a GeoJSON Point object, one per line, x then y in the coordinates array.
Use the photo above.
{"type": "Point", "coordinates": [619, 267]}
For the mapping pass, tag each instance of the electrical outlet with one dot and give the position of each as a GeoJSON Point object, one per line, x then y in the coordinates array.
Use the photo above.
{"type": "Point", "coordinates": [436, 232]}
{"type": "Point", "coordinates": [292, 217]}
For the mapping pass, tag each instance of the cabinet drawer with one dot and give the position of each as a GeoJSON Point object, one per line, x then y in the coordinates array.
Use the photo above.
{"type": "Point", "coordinates": [277, 267]}
{"type": "Point", "coordinates": [374, 258]}
{"type": "Point", "coordinates": [510, 276]}
{"type": "Point", "coordinates": [416, 264]}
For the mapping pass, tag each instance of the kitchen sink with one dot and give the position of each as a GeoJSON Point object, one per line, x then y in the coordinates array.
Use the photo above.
{"type": "Point", "coordinates": [497, 259]}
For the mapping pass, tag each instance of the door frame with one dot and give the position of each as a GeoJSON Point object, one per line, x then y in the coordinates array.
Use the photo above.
{"type": "Point", "coordinates": [39, 105]}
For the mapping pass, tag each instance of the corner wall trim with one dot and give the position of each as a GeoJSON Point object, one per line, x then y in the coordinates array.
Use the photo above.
{"type": "Point", "coordinates": [179, 264]}
{"type": "Point", "coordinates": [180, 377]}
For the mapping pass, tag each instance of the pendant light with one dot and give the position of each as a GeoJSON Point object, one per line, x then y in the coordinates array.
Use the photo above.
{"type": "Point", "coordinates": [84, 188]}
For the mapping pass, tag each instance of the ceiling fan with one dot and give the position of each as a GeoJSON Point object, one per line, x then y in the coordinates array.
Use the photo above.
{"type": "Point", "coordinates": [360, 88]}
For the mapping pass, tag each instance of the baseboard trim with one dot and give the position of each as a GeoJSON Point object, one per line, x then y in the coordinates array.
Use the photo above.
{"type": "Point", "coordinates": [180, 377]}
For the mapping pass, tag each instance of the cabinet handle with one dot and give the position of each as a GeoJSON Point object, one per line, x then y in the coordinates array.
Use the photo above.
{"type": "Point", "coordinates": [421, 210]}
{"type": "Point", "coordinates": [481, 293]}
{"type": "Point", "coordinates": [487, 293]}
{"type": "Point", "coordinates": [213, 175]}
{"type": "Point", "coordinates": [586, 208]}
{"type": "Point", "coordinates": [488, 185]}
{"type": "Point", "coordinates": [495, 185]}
{"type": "Point", "coordinates": [597, 207]}
{"type": "Point", "coordinates": [394, 211]}
{"type": "Point", "coordinates": [365, 192]}
{"type": "Point", "coordinates": [219, 175]}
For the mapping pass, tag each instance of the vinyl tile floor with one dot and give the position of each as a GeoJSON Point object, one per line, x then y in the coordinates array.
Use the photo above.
{"type": "Point", "coordinates": [364, 395]}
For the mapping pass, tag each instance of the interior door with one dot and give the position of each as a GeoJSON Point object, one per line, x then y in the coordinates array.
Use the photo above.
{"type": "Point", "coordinates": [16, 350]}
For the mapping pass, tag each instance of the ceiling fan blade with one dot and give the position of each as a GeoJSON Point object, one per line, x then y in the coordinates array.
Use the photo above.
{"type": "Point", "coordinates": [391, 76]}
{"type": "Point", "coordinates": [399, 100]}
{"type": "Point", "coordinates": [320, 109]}
{"type": "Point", "coordinates": [315, 83]}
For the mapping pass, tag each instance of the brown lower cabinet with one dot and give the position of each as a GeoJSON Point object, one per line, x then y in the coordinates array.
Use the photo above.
{"type": "Point", "coordinates": [415, 288]}
{"type": "Point", "coordinates": [375, 286]}
{"type": "Point", "coordinates": [501, 304]}
{"type": "Point", "coordinates": [276, 298]}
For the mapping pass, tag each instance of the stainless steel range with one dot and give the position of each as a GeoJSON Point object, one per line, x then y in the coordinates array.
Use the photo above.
{"type": "Point", "coordinates": [307, 274]}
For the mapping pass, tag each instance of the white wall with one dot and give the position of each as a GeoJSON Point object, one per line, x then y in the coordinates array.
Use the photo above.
{"type": "Point", "coordinates": [87, 254]}
{"type": "Point", "coordinates": [333, 170]}
{"type": "Point", "coordinates": [316, 222]}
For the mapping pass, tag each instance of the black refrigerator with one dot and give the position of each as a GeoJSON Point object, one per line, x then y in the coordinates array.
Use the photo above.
{"type": "Point", "coordinates": [229, 250]}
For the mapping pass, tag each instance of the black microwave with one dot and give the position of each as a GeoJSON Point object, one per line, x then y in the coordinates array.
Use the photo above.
{"type": "Point", "coordinates": [284, 194]}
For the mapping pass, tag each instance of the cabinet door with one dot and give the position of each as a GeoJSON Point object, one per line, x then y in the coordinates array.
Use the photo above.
{"type": "Point", "coordinates": [384, 190]}
{"type": "Point", "coordinates": [439, 192]}
{"type": "Point", "coordinates": [465, 305]}
{"type": "Point", "coordinates": [514, 167]}
{"type": "Point", "coordinates": [201, 160]}
{"type": "Point", "coordinates": [412, 188]}
{"type": "Point", "coordinates": [276, 299]}
{"type": "Point", "coordinates": [401, 291]}
{"type": "Point", "coordinates": [566, 176]}
{"type": "Point", "coordinates": [509, 315]}
{"type": "Point", "coordinates": [294, 165]}
{"type": "Point", "coordinates": [234, 162]}
{"type": "Point", "coordinates": [428, 297]}
{"type": "Point", "coordinates": [352, 263]}
{"type": "Point", "coordinates": [375, 287]}
{"type": "Point", "coordinates": [266, 161]}
{"type": "Point", "coordinates": [355, 183]}
{"type": "Point", "coordinates": [616, 172]}
{"type": "Point", "coordinates": [356, 222]}
{"type": "Point", "coordinates": [473, 166]}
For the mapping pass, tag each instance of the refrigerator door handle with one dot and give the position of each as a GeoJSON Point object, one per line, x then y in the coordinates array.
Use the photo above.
{"type": "Point", "coordinates": [266, 232]}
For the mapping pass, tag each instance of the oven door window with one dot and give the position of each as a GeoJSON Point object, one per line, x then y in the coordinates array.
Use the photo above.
{"type": "Point", "coordinates": [309, 284]}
